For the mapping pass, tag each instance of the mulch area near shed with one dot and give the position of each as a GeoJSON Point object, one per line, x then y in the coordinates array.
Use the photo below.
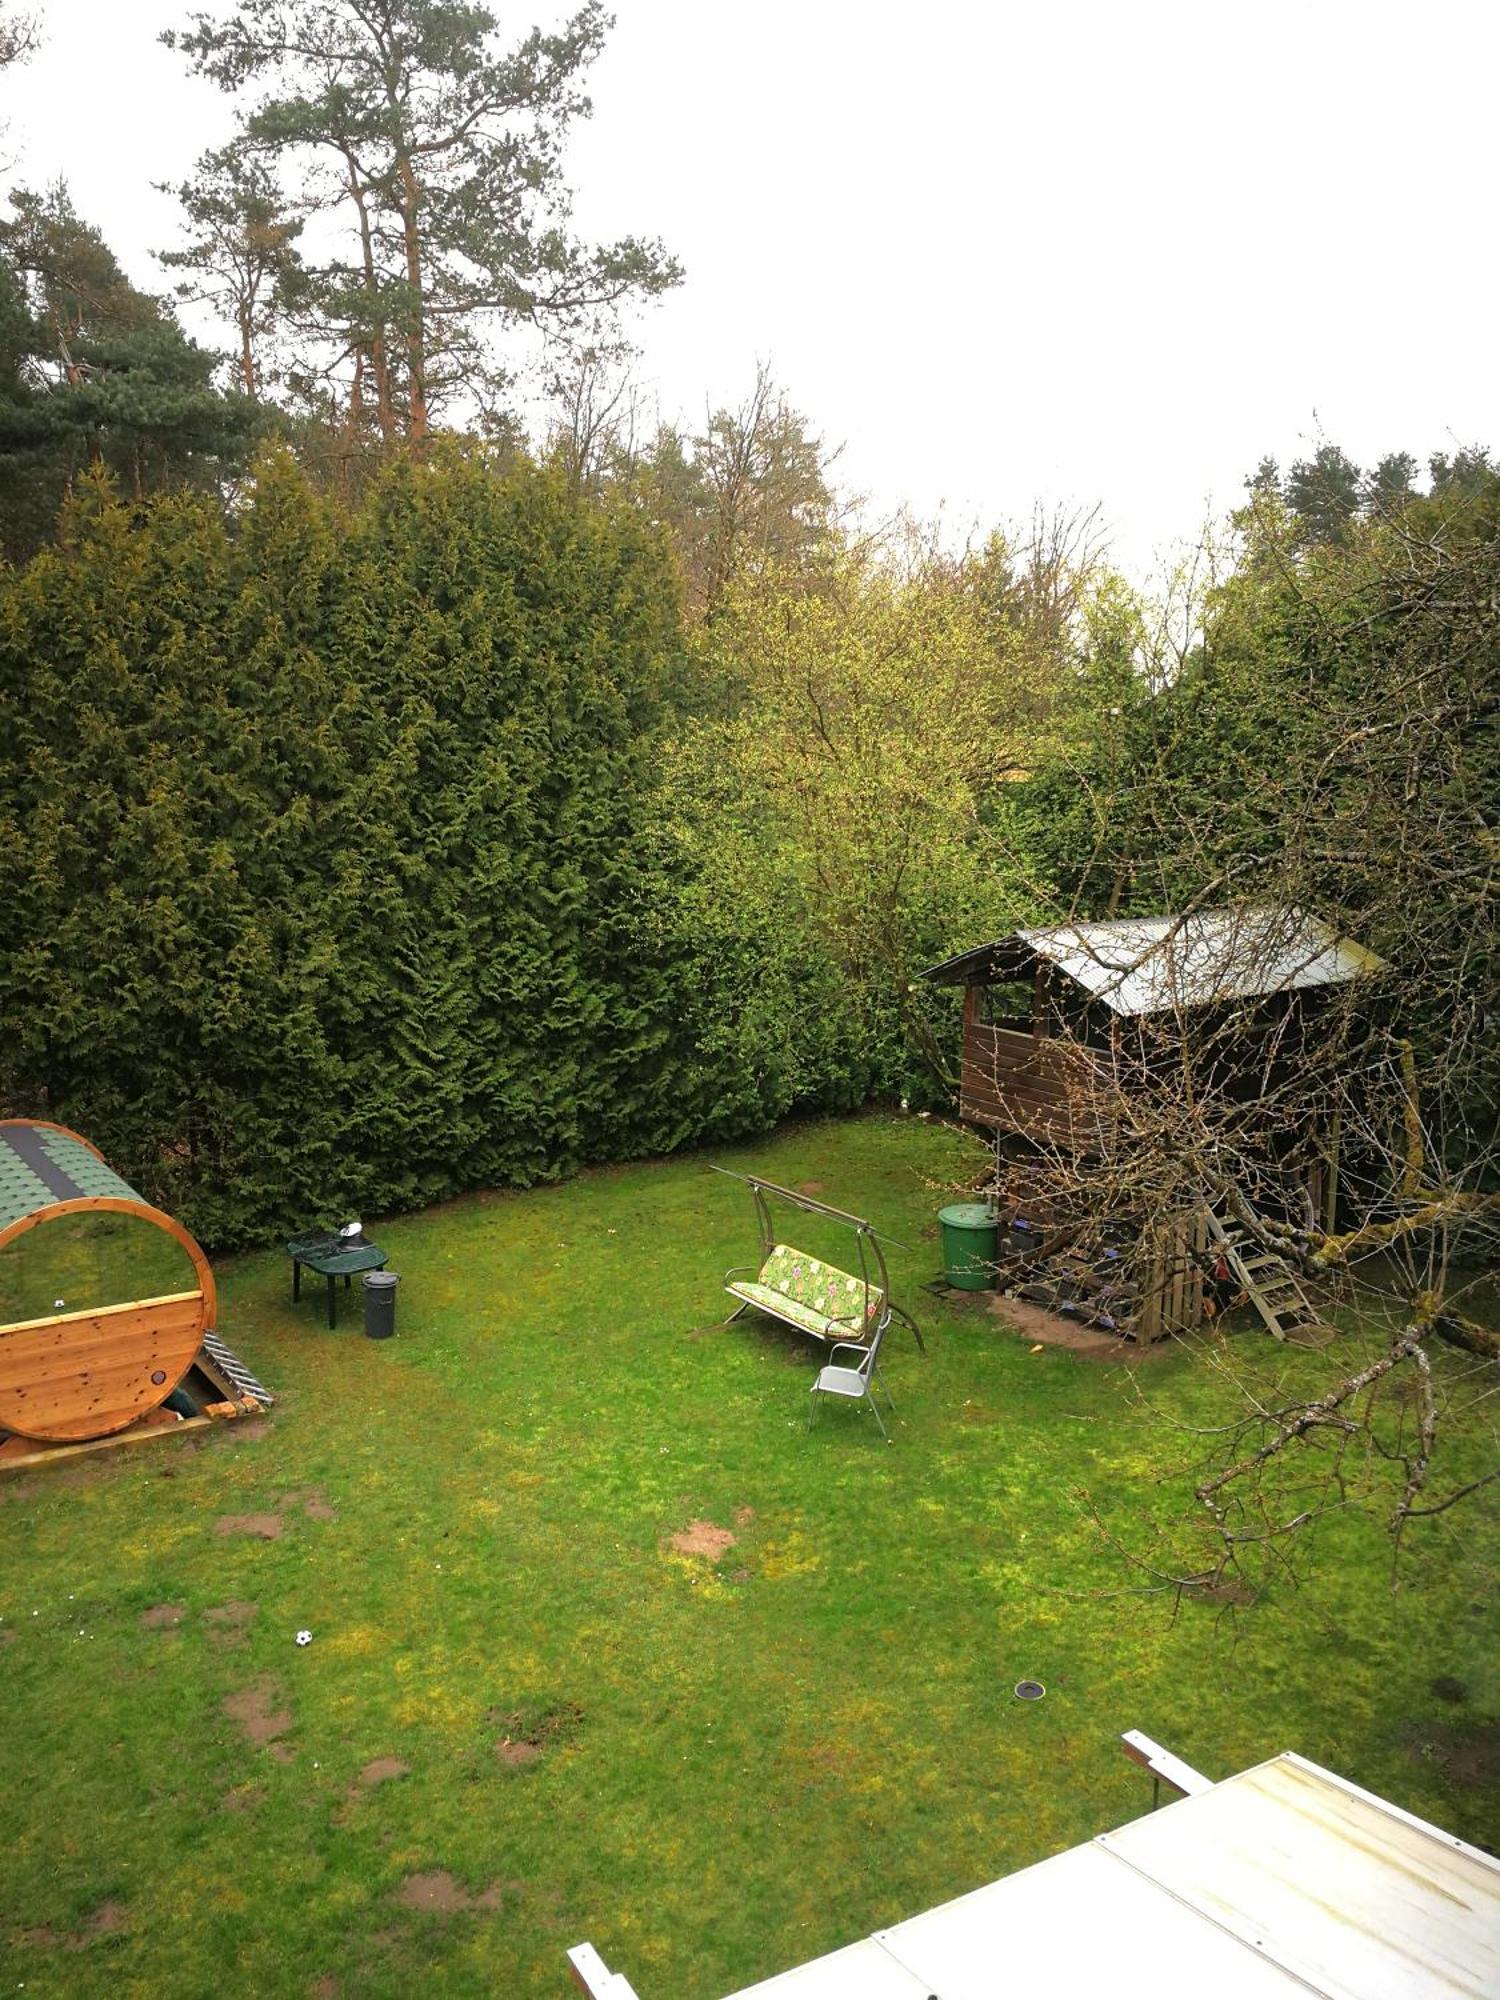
{"type": "Point", "coordinates": [1036, 1325]}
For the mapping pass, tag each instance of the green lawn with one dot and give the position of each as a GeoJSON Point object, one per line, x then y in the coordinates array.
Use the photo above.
{"type": "Point", "coordinates": [741, 1763]}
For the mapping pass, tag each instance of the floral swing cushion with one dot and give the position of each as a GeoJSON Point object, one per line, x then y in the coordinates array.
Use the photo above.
{"type": "Point", "coordinates": [818, 1298]}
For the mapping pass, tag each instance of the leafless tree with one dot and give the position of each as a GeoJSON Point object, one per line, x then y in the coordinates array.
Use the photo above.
{"type": "Point", "coordinates": [20, 35]}
{"type": "Point", "coordinates": [596, 415]}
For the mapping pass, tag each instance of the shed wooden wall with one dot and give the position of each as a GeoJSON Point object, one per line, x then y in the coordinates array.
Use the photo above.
{"type": "Point", "coordinates": [1030, 1084]}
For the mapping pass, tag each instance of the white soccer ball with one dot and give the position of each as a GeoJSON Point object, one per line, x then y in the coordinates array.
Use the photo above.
{"type": "Point", "coordinates": [304, 1638]}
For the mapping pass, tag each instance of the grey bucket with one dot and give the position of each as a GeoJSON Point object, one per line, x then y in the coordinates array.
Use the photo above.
{"type": "Point", "coordinates": [380, 1304]}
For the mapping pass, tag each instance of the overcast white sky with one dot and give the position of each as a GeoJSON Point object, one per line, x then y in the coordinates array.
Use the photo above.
{"type": "Point", "coordinates": [1106, 250]}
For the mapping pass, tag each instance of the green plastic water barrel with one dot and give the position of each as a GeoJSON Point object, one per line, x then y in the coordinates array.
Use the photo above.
{"type": "Point", "coordinates": [971, 1244]}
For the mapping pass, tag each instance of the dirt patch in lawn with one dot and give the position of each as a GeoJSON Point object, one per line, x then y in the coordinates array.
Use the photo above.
{"type": "Point", "coordinates": [810, 1187]}
{"type": "Point", "coordinates": [263, 1723]}
{"type": "Point", "coordinates": [517, 1755]}
{"type": "Point", "coordinates": [1036, 1324]}
{"type": "Point", "coordinates": [313, 1501]}
{"type": "Point", "coordinates": [438, 1893]}
{"type": "Point", "coordinates": [532, 1729]}
{"type": "Point", "coordinates": [244, 1430]}
{"type": "Point", "coordinates": [743, 1516]}
{"type": "Point", "coordinates": [702, 1538]}
{"type": "Point", "coordinates": [381, 1770]}
{"type": "Point", "coordinates": [229, 1623]}
{"type": "Point", "coordinates": [264, 1527]}
{"type": "Point", "coordinates": [1228, 1590]}
{"type": "Point", "coordinates": [235, 1615]}
{"type": "Point", "coordinates": [243, 1798]}
{"type": "Point", "coordinates": [162, 1617]}
{"type": "Point", "coordinates": [109, 1918]}
{"type": "Point", "coordinates": [980, 1413]}
{"type": "Point", "coordinates": [1468, 1753]}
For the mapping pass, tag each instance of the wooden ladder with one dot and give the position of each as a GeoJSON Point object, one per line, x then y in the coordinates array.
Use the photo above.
{"type": "Point", "coordinates": [1272, 1286]}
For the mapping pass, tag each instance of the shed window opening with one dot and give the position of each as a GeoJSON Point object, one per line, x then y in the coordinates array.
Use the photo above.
{"type": "Point", "coordinates": [1078, 1019]}
{"type": "Point", "coordinates": [1009, 1003]}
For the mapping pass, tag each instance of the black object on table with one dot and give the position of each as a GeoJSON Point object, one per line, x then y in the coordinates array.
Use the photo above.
{"type": "Point", "coordinates": [333, 1256]}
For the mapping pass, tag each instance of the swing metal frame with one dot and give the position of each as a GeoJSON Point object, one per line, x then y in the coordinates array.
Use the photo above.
{"type": "Point", "coordinates": [868, 1241]}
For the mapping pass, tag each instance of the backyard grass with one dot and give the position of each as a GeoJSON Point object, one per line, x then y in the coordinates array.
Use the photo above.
{"type": "Point", "coordinates": [525, 1718]}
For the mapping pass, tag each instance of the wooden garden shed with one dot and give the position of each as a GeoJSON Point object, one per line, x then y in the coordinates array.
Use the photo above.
{"type": "Point", "coordinates": [1039, 1003]}
{"type": "Point", "coordinates": [1061, 1022]}
{"type": "Point", "coordinates": [107, 1303]}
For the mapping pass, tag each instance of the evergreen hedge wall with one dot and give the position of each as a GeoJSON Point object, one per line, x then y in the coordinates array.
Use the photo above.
{"type": "Point", "coordinates": [337, 869]}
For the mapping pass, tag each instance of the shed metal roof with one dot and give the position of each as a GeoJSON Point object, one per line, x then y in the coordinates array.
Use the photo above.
{"type": "Point", "coordinates": [1284, 1880]}
{"type": "Point", "coordinates": [1154, 965]}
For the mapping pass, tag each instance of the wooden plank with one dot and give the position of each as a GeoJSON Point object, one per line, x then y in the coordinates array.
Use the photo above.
{"type": "Point", "coordinates": [104, 1399]}
{"type": "Point", "coordinates": [1330, 1204]}
{"type": "Point", "coordinates": [1142, 1750]}
{"type": "Point", "coordinates": [594, 1977]}
{"type": "Point", "coordinates": [98, 1312]}
{"type": "Point", "coordinates": [985, 1083]}
{"type": "Point", "coordinates": [85, 1340]}
{"type": "Point", "coordinates": [1018, 1107]}
{"type": "Point", "coordinates": [49, 1352]}
{"type": "Point", "coordinates": [140, 1432]}
{"type": "Point", "coordinates": [1053, 1064]}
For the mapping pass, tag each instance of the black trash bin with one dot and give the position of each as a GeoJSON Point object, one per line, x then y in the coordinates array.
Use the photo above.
{"type": "Point", "coordinates": [380, 1304]}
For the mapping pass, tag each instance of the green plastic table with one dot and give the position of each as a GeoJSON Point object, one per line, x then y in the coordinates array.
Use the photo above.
{"type": "Point", "coordinates": [332, 1257]}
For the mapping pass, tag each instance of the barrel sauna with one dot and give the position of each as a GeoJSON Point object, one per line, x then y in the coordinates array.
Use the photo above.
{"type": "Point", "coordinates": [104, 1300]}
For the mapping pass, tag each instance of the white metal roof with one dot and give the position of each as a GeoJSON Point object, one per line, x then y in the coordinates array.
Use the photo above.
{"type": "Point", "coordinates": [1148, 965]}
{"type": "Point", "coordinates": [1285, 1880]}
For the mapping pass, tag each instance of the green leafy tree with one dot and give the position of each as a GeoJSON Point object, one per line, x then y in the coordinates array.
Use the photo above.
{"type": "Point", "coordinates": [437, 159]}
{"type": "Point", "coordinates": [873, 723]}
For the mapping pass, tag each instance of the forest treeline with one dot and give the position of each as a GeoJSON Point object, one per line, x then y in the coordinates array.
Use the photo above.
{"type": "Point", "coordinates": [394, 802]}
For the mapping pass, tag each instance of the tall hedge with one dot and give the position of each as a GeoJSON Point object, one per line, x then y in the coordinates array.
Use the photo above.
{"type": "Point", "coordinates": [336, 868]}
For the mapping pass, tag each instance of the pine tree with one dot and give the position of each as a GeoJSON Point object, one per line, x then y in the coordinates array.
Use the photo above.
{"type": "Point", "coordinates": [440, 157]}
{"type": "Point", "coordinates": [94, 372]}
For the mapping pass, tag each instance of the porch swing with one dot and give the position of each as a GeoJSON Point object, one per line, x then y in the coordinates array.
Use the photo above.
{"type": "Point", "coordinates": [816, 1298]}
